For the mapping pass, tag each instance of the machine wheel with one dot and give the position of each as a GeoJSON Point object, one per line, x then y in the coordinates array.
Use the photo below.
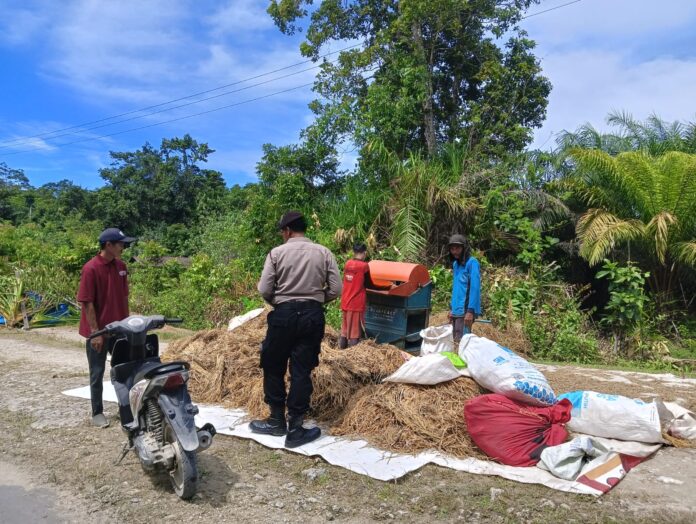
{"type": "Point", "coordinates": [184, 475]}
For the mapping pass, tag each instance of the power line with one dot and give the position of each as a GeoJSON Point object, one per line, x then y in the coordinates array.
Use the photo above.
{"type": "Point", "coordinates": [88, 139]}
{"type": "Point", "coordinates": [202, 100]}
{"type": "Point", "coordinates": [127, 113]}
{"type": "Point", "coordinates": [551, 9]}
{"type": "Point", "coordinates": [89, 128]}
{"type": "Point", "coordinates": [168, 121]}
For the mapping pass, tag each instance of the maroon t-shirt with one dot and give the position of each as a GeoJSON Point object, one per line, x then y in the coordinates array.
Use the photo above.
{"type": "Point", "coordinates": [353, 295]}
{"type": "Point", "coordinates": [105, 284]}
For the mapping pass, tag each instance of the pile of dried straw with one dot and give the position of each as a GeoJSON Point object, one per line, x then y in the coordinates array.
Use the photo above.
{"type": "Point", "coordinates": [347, 390]}
{"type": "Point", "coordinates": [225, 369]}
{"type": "Point", "coordinates": [408, 419]}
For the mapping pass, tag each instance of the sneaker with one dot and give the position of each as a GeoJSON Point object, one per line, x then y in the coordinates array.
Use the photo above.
{"type": "Point", "coordinates": [100, 421]}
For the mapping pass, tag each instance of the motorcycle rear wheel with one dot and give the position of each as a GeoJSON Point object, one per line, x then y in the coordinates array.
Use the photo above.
{"type": "Point", "coordinates": [184, 476]}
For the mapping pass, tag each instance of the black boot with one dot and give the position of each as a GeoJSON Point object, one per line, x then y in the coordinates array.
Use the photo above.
{"type": "Point", "coordinates": [342, 343]}
{"type": "Point", "coordinates": [353, 342]}
{"type": "Point", "coordinates": [297, 435]}
{"type": "Point", "coordinates": [274, 425]}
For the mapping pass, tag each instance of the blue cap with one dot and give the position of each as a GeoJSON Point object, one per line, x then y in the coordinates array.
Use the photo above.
{"type": "Point", "coordinates": [114, 234]}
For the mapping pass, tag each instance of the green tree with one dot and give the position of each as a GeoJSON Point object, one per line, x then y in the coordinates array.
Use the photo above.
{"type": "Point", "coordinates": [152, 189]}
{"type": "Point", "coordinates": [13, 186]}
{"type": "Point", "coordinates": [55, 201]}
{"type": "Point", "coordinates": [428, 72]}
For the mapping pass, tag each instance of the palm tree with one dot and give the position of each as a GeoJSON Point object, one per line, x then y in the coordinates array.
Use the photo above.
{"type": "Point", "coordinates": [430, 198]}
{"type": "Point", "coordinates": [654, 136]}
{"type": "Point", "coordinates": [647, 202]}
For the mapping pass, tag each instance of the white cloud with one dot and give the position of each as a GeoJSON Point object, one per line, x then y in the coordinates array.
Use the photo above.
{"type": "Point", "coordinates": [18, 144]}
{"type": "Point", "coordinates": [603, 56]}
{"type": "Point", "coordinates": [239, 18]}
{"type": "Point", "coordinates": [145, 53]}
{"type": "Point", "coordinates": [20, 26]}
{"type": "Point", "coordinates": [224, 65]}
{"type": "Point", "coordinates": [118, 50]}
{"type": "Point", "coordinates": [600, 22]}
{"type": "Point", "coordinates": [588, 85]}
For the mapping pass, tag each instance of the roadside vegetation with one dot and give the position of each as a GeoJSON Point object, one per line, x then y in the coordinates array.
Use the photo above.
{"type": "Point", "coordinates": [588, 251]}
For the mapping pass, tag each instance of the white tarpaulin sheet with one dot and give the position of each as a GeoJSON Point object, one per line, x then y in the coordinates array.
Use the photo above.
{"type": "Point", "coordinates": [358, 456]}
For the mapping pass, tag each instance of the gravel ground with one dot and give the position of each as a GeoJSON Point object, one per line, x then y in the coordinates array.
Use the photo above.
{"type": "Point", "coordinates": [65, 468]}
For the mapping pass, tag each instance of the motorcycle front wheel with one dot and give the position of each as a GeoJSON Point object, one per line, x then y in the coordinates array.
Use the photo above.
{"type": "Point", "coordinates": [184, 475]}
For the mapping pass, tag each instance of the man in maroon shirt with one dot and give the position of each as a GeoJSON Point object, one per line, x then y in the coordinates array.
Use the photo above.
{"type": "Point", "coordinates": [103, 294]}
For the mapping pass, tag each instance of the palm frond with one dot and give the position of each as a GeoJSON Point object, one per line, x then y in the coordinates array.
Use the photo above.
{"type": "Point", "coordinates": [659, 229]}
{"type": "Point", "coordinates": [11, 298]}
{"type": "Point", "coordinates": [408, 234]}
{"type": "Point", "coordinates": [678, 184]}
{"type": "Point", "coordinates": [601, 173]}
{"type": "Point", "coordinates": [551, 209]}
{"type": "Point", "coordinates": [685, 252]}
{"type": "Point", "coordinates": [600, 231]}
{"type": "Point", "coordinates": [637, 181]}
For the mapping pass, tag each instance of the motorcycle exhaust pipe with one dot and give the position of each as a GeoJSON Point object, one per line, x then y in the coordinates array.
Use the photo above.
{"type": "Point", "coordinates": [205, 439]}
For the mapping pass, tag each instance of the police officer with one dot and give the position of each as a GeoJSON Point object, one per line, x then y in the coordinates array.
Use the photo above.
{"type": "Point", "coordinates": [298, 277]}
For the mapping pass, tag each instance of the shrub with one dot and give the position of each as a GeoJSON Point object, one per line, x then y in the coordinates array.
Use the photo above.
{"type": "Point", "coordinates": [561, 334]}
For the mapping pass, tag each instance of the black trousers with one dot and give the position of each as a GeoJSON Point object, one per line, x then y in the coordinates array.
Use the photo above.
{"type": "Point", "coordinates": [97, 365]}
{"type": "Point", "coordinates": [294, 335]}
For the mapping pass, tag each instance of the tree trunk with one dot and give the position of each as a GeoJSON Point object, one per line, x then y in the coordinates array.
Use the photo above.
{"type": "Point", "coordinates": [428, 114]}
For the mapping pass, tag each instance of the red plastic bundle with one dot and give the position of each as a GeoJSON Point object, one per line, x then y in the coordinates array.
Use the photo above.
{"type": "Point", "coordinates": [514, 433]}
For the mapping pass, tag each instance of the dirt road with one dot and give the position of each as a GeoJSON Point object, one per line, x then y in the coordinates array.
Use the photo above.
{"type": "Point", "coordinates": [56, 468]}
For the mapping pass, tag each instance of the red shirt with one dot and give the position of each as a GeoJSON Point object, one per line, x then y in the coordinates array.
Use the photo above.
{"type": "Point", "coordinates": [353, 297]}
{"type": "Point", "coordinates": [105, 284]}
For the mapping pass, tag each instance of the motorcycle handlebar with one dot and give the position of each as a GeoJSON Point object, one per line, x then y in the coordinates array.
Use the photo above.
{"type": "Point", "coordinates": [106, 330]}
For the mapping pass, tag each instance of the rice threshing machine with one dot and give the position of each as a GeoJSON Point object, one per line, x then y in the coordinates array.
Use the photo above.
{"type": "Point", "coordinates": [398, 303]}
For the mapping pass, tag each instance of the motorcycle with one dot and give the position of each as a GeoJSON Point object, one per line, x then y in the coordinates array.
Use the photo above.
{"type": "Point", "coordinates": [155, 407]}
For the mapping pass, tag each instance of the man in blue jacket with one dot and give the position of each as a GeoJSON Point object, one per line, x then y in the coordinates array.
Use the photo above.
{"type": "Point", "coordinates": [466, 287]}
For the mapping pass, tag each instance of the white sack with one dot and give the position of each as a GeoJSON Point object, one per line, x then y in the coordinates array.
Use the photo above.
{"type": "Point", "coordinates": [426, 370]}
{"type": "Point", "coordinates": [567, 460]}
{"type": "Point", "coordinates": [614, 416]}
{"type": "Point", "coordinates": [437, 339]}
{"type": "Point", "coordinates": [361, 458]}
{"type": "Point", "coordinates": [681, 423]}
{"type": "Point", "coordinates": [501, 371]}
{"type": "Point", "coordinates": [241, 319]}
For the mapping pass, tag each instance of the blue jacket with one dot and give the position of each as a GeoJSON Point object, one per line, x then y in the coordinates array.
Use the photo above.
{"type": "Point", "coordinates": [466, 277]}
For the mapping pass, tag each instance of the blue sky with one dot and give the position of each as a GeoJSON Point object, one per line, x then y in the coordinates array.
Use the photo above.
{"type": "Point", "coordinates": [76, 61]}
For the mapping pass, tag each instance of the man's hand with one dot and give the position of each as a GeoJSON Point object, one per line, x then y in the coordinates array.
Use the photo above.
{"type": "Point", "coordinates": [469, 319]}
{"type": "Point", "coordinates": [97, 343]}
{"type": "Point", "coordinates": [449, 316]}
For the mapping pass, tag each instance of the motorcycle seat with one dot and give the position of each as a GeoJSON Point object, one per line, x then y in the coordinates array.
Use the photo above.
{"type": "Point", "coordinates": [150, 369]}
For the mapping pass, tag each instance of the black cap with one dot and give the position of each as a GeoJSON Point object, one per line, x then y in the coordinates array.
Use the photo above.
{"type": "Point", "coordinates": [457, 240]}
{"type": "Point", "coordinates": [359, 248]}
{"type": "Point", "coordinates": [114, 234]}
{"type": "Point", "coordinates": [288, 218]}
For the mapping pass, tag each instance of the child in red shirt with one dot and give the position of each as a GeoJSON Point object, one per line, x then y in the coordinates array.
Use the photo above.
{"type": "Point", "coordinates": [355, 275]}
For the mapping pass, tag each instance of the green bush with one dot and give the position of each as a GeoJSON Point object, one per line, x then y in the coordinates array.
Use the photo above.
{"type": "Point", "coordinates": [509, 295]}
{"type": "Point", "coordinates": [441, 277]}
{"type": "Point", "coordinates": [206, 294]}
{"type": "Point", "coordinates": [560, 334]}
{"type": "Point", "coordinates": [627, 298]}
